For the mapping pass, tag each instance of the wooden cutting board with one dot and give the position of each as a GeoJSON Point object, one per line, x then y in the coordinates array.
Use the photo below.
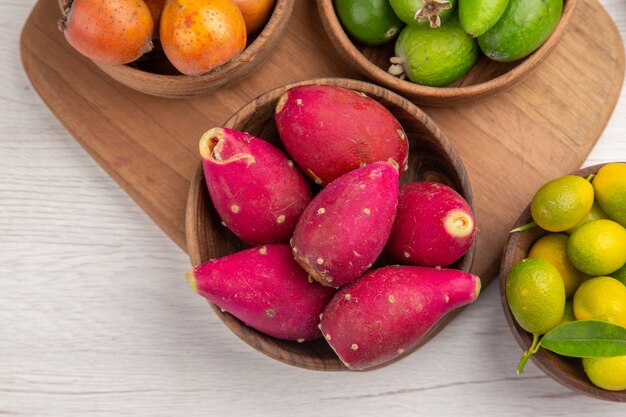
{"type": "Point", "coordinates": [540, 128]}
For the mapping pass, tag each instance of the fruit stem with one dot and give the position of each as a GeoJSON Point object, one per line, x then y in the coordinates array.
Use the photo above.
{"type": "Point", "coordinates": [524, 227]}
{"type": "Point", "coordinates": [590, 177]}
{"type": "Point", "coordinates": [534, 347]}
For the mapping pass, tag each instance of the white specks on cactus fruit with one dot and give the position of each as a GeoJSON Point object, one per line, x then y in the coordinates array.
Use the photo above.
{"type": "Point", "coordinates": [270, 313]}
{"type": "Point", "coordinates": [290, 163]}
{"type": "Point", "coordinates": [280, 219]}
{"type": "Point", "coordinates": [400, 351]}
{"type": "Point", "coordinates": [310, 279]}
{"type": "Point", "coordinates": [300, 340]}
{"type": "Point", "coordinates": [354, 346]}
{"type": "Point", "coordinates": [294, 249]}
{"type": "Point", "coordinates": [263, 250]}
{"type": "Point", "coordinates": [347, 297]}
{"type": "Point", "coordinates": [299, 102]}
{"type": "Point", "coordinates": [366, 211]}
{"type": "Point", "coordinates": [321, 315]}
{"type": "Point", "coordinates": [391, 298]}
{"type": "Point", "coordinates": [406, 254]}
{"type": "Point", "coordinates": [446, 298]}
{"type": "Point", "coordinates": [223, 223]}
{"type": "Point", "coordinates": [321, 210]}
{"type": "Point", "coordinates": [327, 336]}
{"type": "Point", "coordinates": [235, 208]}
{"type": "Point", "coordinates": [319, 261]}
{"type": "Point", "coordinates": [362, 164]}
{"type": "Point", "coordinates": [401, 134]}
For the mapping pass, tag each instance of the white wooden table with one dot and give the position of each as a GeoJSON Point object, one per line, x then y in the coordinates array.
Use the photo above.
{"type": "Point", "coordinates": [96, 317]}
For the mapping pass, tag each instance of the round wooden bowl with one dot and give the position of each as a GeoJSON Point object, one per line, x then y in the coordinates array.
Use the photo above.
{"type": "Point", "coordinates": [431, 158]}
{"type": "Point", "coordinates": [487, 77]}
{"type": "Point", "coordinates": [154, 75]}
{"type": "Point", "coordinates": [566, 371]}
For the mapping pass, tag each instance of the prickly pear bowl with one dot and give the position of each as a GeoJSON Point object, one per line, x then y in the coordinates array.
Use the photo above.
{"type": "Point", "coordinates": [153, 74]}
{"type": "Point", "coordinates": [431, 158]}
{"type": "Point", "coordinates": [486, 77]}
{"type": "Point", "coordinates": [566, 371]}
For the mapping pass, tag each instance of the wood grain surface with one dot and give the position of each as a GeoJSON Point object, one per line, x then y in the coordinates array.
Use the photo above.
{"type": "Point", "coordinates": [97, 318]}
{"type": "Point", "coordinates": [149, 146]}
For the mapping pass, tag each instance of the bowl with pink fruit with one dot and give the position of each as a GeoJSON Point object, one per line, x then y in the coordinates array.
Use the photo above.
{"type": "Point", "coordinates": [337, 232]}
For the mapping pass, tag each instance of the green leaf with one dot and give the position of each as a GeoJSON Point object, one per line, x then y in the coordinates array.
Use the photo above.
{"type": "Point", "coordinates": [586, 339]}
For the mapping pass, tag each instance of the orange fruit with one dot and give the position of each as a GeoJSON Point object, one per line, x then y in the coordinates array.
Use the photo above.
{"type": "Point", "coordinates": [200, 35]}
{"type": "Point", "coordinates": [255, 13]}
{"type": "Point", "coordinates": [112, 32]}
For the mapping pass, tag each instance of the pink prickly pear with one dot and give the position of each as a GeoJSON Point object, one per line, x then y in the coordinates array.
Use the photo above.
{"type": "Point", "coordinates": [256, 190]}
{"type": "Point", "coordinates": [434, 225]}
{"type": "Point", "coordinates": [330, 130]}
{"type": "Point", "coordinates": [266, 289]}
{"type": "Point", "coordinates": [345, 227]}
{"type": "Point", "coordinates": [387, 311]}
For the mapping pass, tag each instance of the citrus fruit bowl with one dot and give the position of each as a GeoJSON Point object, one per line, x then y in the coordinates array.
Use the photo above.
{"type": "Point", "coordinates": [486, 77]}
{"type": "Point", "coordinates": [152, 74]}
{"type": "Point", "coordinates": [567, 371]}
{"type": "Point", "coordinates": [431, 158]}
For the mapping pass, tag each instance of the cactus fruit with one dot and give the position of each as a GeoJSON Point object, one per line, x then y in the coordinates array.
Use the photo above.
{"type": "Point", "coordinates": [256, 190]}
{"type": "Point", "coordinates": [387, 311]}
{"type": "Point", "coordinates": [434, 225]}
{"type": "Point", "coordinates": [266, 289]}
{"type": "Point", "coordinates": [331, 130]}
{"type": "Point", "coordinates": [345, 227]}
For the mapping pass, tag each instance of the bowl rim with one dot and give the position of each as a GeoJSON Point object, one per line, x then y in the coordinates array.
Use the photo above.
{"type": "Point", "coordinates": [524, 338]}
{"type": "Point", "coordinates": [280, 15]}
{"type": "Point", "coordinates": [346, 47]}
{"type": "Point", "coordinates": [248, 110]}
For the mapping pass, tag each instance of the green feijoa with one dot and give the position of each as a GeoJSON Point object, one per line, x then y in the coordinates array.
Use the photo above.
{"type": "Point", "coordinates": [478, 16]}
{"type": "Point", "coordinates": [372, 22]}
{"type": "Point", "coordinates": [523, 27]}
{"type": "Point", "coordinates": [434, 57]}
{"type": "Point", "coordinates": [423, 12]}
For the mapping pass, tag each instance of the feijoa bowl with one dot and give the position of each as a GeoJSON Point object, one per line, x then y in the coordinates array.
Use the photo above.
{"type": "Point", "coordinates": [431, 158]}
{"type": "Point", "coordinates": [486, 78]}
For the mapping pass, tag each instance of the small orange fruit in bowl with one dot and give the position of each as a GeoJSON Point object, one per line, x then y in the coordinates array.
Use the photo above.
{"type": "Point", "coordinates": [213, 46]}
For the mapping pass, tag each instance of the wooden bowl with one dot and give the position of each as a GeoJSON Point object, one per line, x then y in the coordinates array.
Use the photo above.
{"type": "Point", "coordinates": [153, 74]}
{"type": "Point", "coordinates": [431, 158]}
{"type": "Point", "coordinates": [566, 371]}
{"type": "Point", "coordinates": [487, 77]}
